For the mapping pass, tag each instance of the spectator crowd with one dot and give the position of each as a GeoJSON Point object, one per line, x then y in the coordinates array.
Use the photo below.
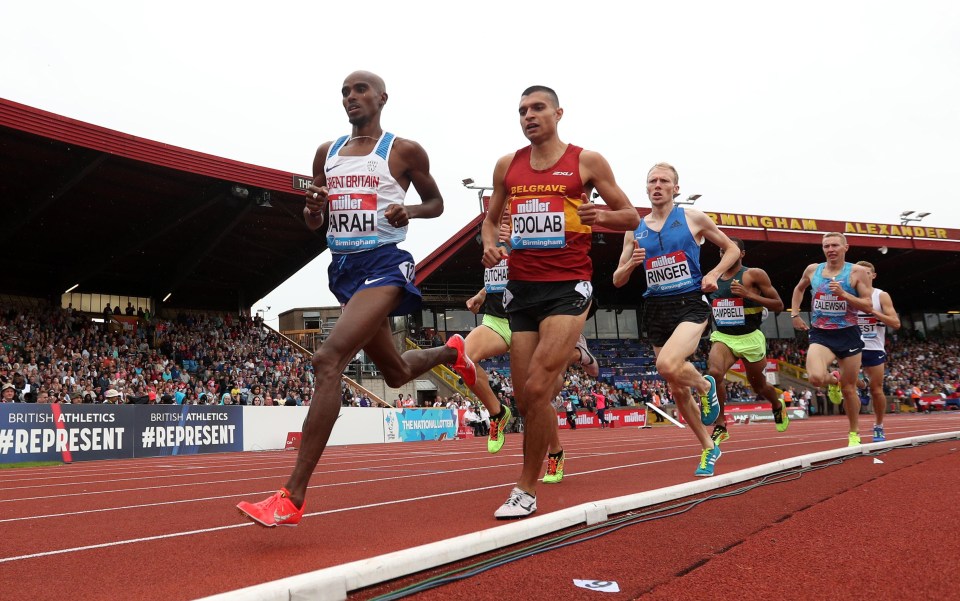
{"type": "Point", "coordinates": [54, 355]}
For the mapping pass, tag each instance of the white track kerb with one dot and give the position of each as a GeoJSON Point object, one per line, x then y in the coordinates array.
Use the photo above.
{"type": "Point", "coordinates": [334, 583]}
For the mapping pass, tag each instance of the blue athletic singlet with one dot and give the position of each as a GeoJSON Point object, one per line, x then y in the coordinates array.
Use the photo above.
{"type": "Point", "coordinates": [360, 190]}
{"type": "Point", "coordinates": [672, 264]}
{"type": "Point", "coordinates": [830, 312]}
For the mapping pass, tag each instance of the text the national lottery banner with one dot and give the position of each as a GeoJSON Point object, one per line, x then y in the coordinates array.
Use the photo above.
{"type": "Point", "coordinates": [188, 429]}
{"type": "Point", "coordinates": [425, 424]}
{"type": "Point", "coordinates": [30, 432]}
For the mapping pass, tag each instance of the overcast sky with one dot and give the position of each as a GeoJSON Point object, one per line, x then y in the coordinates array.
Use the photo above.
{"type": "Point", "coordinates": [830, 110]}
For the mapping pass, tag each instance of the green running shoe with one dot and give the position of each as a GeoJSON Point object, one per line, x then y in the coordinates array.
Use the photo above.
{"type": "Point", "coordinates": [720, 434]}
{"type": "Point", "coordinates": [833, 390]}
{"type": "Point", "coordinates": [497, 426]}
{"type": "Point", "coordinates": [554, 469]}
{"type": "Point", "coordinates": [781, 418]}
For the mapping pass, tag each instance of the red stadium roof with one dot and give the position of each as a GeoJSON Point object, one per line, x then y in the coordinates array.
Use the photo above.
{"type": "Point", "coordinates": [123, 215]}
{"type": "Point", "coordinates": [915, 264]}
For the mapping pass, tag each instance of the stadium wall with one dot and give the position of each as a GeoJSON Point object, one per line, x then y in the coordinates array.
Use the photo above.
{"type": "Point", "coordinates": [68, 433]}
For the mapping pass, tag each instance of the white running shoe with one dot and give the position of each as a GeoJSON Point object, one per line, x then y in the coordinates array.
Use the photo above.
{"type": "Point", "coordinates": [520, 504]}
{"type": "Point", "coordinates": [587, 360]}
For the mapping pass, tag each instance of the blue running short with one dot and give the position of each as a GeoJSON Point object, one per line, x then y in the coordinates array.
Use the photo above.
{"type": "Point", "coordinates": [844, 342]}
{"type": "Point", "coordinates": [382, 266]}
{"type": "Point", "coordinates": [873, 358]}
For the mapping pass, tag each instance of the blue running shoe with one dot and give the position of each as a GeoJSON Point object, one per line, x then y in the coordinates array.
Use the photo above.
{"type": "Point", "coordinates": [878, 435]}
{"type": "Point", "coordinates": [707, 460]}
{"type": "Point", "coordinates": [709, 403]}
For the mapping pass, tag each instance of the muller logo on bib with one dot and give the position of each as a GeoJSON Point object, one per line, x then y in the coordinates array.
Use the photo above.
{"type": "Point", "coordinates": [533, 206]}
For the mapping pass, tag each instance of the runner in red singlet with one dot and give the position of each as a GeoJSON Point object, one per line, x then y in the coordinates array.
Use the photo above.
{"type": "Point", "coordinates": [546, 187]}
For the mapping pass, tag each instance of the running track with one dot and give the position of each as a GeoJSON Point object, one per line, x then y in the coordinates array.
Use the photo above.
{"type": "Point", "coordinates": [166, 529]}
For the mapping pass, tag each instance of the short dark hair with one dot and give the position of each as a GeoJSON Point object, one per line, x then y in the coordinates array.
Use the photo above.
{"type": "Point", "coordinates": [738, 242]}
{"type": "Point", "coordinates": [548, 91]}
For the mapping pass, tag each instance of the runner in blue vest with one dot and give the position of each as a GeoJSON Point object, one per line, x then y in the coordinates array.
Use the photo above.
{"type": "Point", "coordinates": [675, 314]}
{"type": "Point", "coordinates": [839, 290]}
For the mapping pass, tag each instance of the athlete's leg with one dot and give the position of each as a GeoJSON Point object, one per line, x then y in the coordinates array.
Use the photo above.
{"type": "Point", "coordinates": [482, 343]}
{"type": "Point", "coordinates": [681, 375]}
{"type": "Point", "coordinates": [541, 358]}
{"type": "Point", "coordinates": [849, 371]}
{"type": "Point", "coordinates": [399, 369]}
{"type": "Point", "coordinates": [756, 375]}
{"type": "Point", "coordinates": [819, 359]}
{"type": "Point", "coordinates": [364, 317]}
{"type": "Point", "coordinates": [720, 361]}
{"type": "Point", "coordinates": [874, 373]}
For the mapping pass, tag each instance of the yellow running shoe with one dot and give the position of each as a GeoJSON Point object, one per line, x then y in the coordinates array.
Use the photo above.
{"type": "Point", "coordinates": [853, 440]}
{"type": "Point", "coordinates": [720, 434]}
{"type": "Point", "coordinates": [833, 390]}
{"type": "Point", "coordinates": [497, 426]}
{"type": "Point", "coordinates": [554, 469]}
{"type": "Point", "coordinates": [781, 418]}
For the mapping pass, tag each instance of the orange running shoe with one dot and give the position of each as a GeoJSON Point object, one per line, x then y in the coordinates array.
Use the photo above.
{"type": "Point", "coordinates": [463, 365]}
{"type": "Point", "coordinates": [277, 510]}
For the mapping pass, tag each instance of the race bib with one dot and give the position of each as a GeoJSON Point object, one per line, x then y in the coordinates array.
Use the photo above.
{"type": "Point", "coordinates": [353, 222]}
{"type": "Point", "coordinates": [668, 272]}
{"type": "Point", "coordinates": [495, 278]}
{"type": "Point", "coordinates": [868, 325]}
{"type": "Point", "coordinates": [728, 312]}
{"type": "Point", "coordinates": [538, 223]}
{"type": "Point", "coordinates": [829, 305]}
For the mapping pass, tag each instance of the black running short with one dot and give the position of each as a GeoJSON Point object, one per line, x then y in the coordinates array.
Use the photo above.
{"type": "Point", "coordinates": [662, 314]}
{"type": "Point", "coordinates": [529, 303]}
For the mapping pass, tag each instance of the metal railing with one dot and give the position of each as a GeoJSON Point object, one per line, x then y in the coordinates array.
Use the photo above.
{"type": "Point", "coordinates": [309, 355]}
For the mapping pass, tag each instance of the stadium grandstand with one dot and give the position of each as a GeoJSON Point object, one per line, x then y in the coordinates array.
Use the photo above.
{"type": "Point", "coordinates": [221, 234]}
{"type": "Point", "coordinates": [126, 332]}
{"type": "Point", "coordinates": [179, 244]}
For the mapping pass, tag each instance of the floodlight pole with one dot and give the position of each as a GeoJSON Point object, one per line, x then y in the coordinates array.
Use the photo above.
{"type": "Point", "coordinates": [908, 217]}
{"type": "Point", "coordinates": [468, 183]}
{"type": "Point", "coordinates": [690, 200]}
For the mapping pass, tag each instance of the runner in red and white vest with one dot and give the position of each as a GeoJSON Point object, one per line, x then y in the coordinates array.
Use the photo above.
{"type": "Point", "coordinates": [873, 332]}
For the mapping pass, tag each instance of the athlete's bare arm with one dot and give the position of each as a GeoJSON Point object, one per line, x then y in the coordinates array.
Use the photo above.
{"type": "Point", "coordinates": [475, 302]}
{"type": "Point", "coordinates": [490, 229]}
{"type": "Point", "coordinates": [756, 287]}
{"type": "Point", "coordinates": [859, 281]}
{"type": "Point", "coordinates": [702, 226]}
{"type": "Point", "coordinates": [410, 164]}
{"type": "Point", "coordinates": [797, 298]}
{"type": "Point", "coordinates": [887, 314]}
{"type": "Point", "coordinates": [595, 173]}
{"type": "Point", "coordinates": [631, 257]}
{"type": "Point", "coordinates": [313, 212]}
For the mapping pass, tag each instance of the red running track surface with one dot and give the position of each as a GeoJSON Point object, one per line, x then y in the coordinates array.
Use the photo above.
{"type": "Point", "coordinates": [166, 528]}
